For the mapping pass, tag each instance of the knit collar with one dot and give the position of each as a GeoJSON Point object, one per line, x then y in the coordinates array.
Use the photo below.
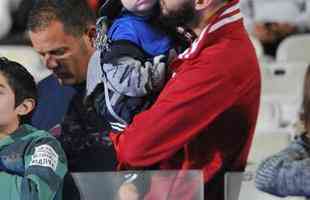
{"type": "Point", "coordinates": [223, 18]}
{"type": "Point", "coordinates": [22, 131]}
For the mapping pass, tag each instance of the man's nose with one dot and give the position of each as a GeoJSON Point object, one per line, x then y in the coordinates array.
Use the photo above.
{"type": "Point", "coordinates": [50, 62]}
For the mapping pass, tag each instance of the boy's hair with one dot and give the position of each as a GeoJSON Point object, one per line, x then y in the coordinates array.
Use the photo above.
{"type": "Point", "coordinates": [75, 15]}
{"type": "Point", "coordinates": [21, 82]}
{"type": "Point", "coordinates": [110, 9]}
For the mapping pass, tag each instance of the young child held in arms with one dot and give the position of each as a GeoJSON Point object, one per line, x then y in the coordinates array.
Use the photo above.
{"type": "Point", "coordinates": [32, 162]}
{"type": "Point", "coordinates": [126, 74]}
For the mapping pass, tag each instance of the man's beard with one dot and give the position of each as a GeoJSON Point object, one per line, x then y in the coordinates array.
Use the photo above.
{"type": "Point", "coordinates": [185, 16]}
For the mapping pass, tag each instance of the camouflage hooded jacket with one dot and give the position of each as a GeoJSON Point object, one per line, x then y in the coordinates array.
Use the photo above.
{"type": "Point", "coordinates": [32, 165]}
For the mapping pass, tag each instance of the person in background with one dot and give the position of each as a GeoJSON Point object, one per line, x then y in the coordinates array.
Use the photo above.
{"type": "Point", "coordinates": [205, 116]}
{"type": "Point", "coordinates": [272, 21]}
{"type": "Point", "coordinates": [32, 162]}
{"type": "Point", "coordinates": [287, 173]}
{"type": "Point", "coordinates": [62, 32]}
{"type": "Point", "coordinates": [13, 21]}
{"type": "Point", "coordinates": [53, 102]}
{"type": "Point", "coordinates": [5, 18]}
{"type": "Point", "coordinates": [53, 99]}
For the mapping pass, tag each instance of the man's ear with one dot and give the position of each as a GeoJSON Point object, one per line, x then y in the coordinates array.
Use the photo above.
{"type": "Point", "coordinates": [91, 34]}
{"type": "Point", "coordinates": [202, 4]}
{"type": "Point", "coordinates": [25, 107]}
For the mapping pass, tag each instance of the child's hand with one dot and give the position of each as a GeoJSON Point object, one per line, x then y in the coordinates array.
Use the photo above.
{"type": "Point", "coordinates": [157, 73]}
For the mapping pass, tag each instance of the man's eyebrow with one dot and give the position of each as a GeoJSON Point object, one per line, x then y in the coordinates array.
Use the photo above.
{"type": "Point", "coordinates": [2, 86]}
{"type": "Point", "coordinates": [52, 50]}
{"type": "Point", "coordinates": [58, 49]}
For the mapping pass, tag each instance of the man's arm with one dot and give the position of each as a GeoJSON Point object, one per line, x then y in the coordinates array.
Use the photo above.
{"type": "Point", "coordinates": [186, 107]}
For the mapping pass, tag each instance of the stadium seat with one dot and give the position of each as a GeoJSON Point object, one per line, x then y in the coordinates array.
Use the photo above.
{"type": "Point", "coordinates": [282, 85]}
{"type": "Point", "coordinates": [28, 57]}
{"type": "Point", "coordinates": [294, 48]}
{"type": "Point", "coordinates": [241, 186]}
{"type": "Point", "coordinates": [95, 185]}
{"type": "Point", "coordinates": [283, 78]}
{"type": "Point", "coordinates": [266, 144]}
{"type": "Point", "coordinates": [268, 116]}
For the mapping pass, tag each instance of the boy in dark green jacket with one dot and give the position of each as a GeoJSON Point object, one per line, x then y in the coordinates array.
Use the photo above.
{"type": "Point", "coordinates": [32, 162]}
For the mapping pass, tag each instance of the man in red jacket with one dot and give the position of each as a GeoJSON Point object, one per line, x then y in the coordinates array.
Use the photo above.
{"type": "Point", "coordinates": [205, 116]}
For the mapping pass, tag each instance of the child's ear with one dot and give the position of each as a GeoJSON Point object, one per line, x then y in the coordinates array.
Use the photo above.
{"type": "Point", "coordinates": [25, 107]}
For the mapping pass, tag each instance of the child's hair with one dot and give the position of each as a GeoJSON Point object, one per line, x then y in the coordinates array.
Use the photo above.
{"type": "Point", "coordinates": [21, 82]}
{"type": "Point", "coordinates": [110, 9]}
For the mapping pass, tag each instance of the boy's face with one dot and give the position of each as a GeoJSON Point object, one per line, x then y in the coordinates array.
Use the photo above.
{"type": "Point", "coordinates": [8, 113]}
{"type": "Point", "coordinates": [139, 6]}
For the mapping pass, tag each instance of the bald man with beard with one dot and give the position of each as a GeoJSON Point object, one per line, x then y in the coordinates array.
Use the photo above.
{"type": "Point", "coordinates": [206, 114]}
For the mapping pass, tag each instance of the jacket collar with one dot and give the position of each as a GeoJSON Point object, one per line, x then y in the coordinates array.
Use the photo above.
{"type": "Point", "coordinates": [20, 132]}
{"type": "Point", "coordinates": [227, 15]}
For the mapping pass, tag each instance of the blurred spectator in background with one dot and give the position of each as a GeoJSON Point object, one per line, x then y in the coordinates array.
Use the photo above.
{"type": "Point", "coordinates": [13, 21]}
{"type": "Point", "coordinates": [62, 33]}
{"type": "Point", "coordinates": [51, 106]}
{"type": "Point", "coordinates": [272, 21]}
{"type": "Point", "coordinates": [288, 173]}
{"type": "Point", "coordinates": [94, 4]}
{"type": "Point", "coordinates": [5, 18]}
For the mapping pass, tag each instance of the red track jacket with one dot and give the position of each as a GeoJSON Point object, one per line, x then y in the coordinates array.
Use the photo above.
{"type": "Point", "coordinates": [205, 116]}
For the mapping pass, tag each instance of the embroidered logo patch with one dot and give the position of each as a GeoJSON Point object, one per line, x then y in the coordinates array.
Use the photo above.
{"type": "Point", "coordinates": [44, 156]}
